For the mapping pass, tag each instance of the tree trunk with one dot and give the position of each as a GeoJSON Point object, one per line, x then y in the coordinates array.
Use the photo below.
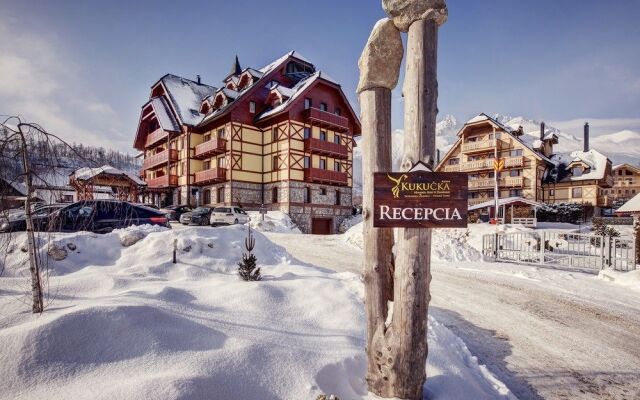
{"type": "Point", "coordinates": [378, 242]}
{"type": "Point", "coordinates": [34, 268]}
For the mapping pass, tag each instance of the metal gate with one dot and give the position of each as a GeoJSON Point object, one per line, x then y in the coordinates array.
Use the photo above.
{"type": "Point", "coordinates": [560, 249]}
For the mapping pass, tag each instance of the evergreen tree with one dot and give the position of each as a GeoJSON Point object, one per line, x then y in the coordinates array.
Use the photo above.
{"type": "Point", "coordinates": [247, 268]}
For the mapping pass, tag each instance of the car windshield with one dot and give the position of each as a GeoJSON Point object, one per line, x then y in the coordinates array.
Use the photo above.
{"type": "Point", "coordinates": [222, 209]}
{"type": "Point", "coordinates": [201, 209]}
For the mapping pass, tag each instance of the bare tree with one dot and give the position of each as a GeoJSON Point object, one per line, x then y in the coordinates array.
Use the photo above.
{"type": "Point", "coordinates": [31, 158]}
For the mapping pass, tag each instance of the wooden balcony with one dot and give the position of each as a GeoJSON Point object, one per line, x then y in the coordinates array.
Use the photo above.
{"type": "Point", "coordinates": [210, 148]}
{"type": "Point", "coordinates": [155, 137]}
{"type": "Point", "coordinates": [451, 168]}
{"type": "Point", "coordinates": [481, 145]}
{"type": "Point", "coordinates": [160, 159]}
{"type": "Point", "coordinates": [331, 149]}
{"type": "Point", "coordinates": [477, 165]}
{"type": "Point", "coordinates": [482, 183]}
{"type": "Point", "coordinates": [510, 162]}
{"type": "Point", "coordinates": [326, 119]}
{"type": "Point", "coordinates": [512, 181]}
{"type": "Point", "coordinates": [325, 176]}
{"type": "Point", "coordinates": [210, 176]}
{"type": "Point", "coordinates": [605, 201]}
{"type": "Point", "coordinates": [166, 181]}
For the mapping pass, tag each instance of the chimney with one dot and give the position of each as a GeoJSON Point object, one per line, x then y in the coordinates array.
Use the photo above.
{"type": "Point", "coordinates": [586, 136]}
{"type": "Point", "coordinates": [437, 156]}
{"type": "Point", "coordinates": [198, 79]}
{"type": "Point", "coordinates": [542, 129]}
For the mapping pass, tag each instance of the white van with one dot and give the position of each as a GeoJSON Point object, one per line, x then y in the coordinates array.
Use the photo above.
{"type": "Point", "coordinates": [228, 216]}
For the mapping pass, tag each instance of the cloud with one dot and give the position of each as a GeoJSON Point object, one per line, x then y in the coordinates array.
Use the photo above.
{"type": "Point", "coordinates": [42, 83]}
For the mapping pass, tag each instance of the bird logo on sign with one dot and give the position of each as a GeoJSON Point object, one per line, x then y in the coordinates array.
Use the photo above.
{"type": "Point", "coordinates": [498, 164]}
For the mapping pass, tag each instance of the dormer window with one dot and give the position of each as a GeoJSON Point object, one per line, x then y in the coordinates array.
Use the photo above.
{"type": "Point", "coordinates": [252, 107]}
{"type": "Point", "coordinates": [576, 171]}
{"type": "Point", "coordinates": [323, 106]}
{"type": "Point", "coordinates": [307, 103]}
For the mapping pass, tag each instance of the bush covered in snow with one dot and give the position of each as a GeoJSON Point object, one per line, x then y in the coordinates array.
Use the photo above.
{"type": "Point", "coordinates": [562, 212]}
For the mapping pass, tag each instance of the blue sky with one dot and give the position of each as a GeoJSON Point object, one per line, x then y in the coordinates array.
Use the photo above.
{"type": "Point", "coordinates": [84, 68]}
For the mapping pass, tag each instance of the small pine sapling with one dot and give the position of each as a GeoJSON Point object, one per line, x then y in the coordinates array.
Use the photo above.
{"type": "Point", "coordinates": [247, 268]}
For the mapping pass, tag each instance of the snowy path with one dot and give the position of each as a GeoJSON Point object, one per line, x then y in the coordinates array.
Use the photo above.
{"type": "Point", "coordinates": [545, 333]}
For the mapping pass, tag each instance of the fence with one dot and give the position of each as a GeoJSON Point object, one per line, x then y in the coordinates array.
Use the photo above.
{"type": "Point", "coordinates": [613, 220]}
{"type": "Point", "coordinates": [559, 249]}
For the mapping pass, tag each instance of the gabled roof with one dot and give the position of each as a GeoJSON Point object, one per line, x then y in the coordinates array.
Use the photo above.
{"type": "Point", "coordinates": [504, 202]}
{"type": "Point", "coordinates": [164, 115]}
{"type": "Point", "coordinates": [632, 205]}
{"type": "Point", "coordinates": [185, 97]}
{"type": "Point", "coordinates": [88, 173]}
{"type": "Point", "coordinates": [628, 166]}
{"type": "Point", "coordinates": [596, 161]}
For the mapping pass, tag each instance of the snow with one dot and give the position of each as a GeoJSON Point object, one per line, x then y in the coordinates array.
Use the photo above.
{"type": "Point", "coordinates": [186, 97]}
{"type": "Point", "coordinates": [87, 173]}
{"type": "Point", "coordinates": [165, 117]}
{"type": "Point", "coordinates": [274, 221]}
{"type": "Point", "coordinates": [632, 205]}
{"type": "Point", "coordinates": [297, 89]}
{"type": "Point", "coordinates": [629, 279]}
{"type": "Point", "coordinates": [126, 323]}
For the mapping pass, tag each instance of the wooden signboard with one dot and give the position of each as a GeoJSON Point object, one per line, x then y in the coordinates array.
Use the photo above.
{"type": "Point", "coordinates": [420, 199]}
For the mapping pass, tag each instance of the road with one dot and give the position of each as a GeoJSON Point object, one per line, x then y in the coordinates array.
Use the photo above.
{"type": "Point", "coordinates": [547, 334]}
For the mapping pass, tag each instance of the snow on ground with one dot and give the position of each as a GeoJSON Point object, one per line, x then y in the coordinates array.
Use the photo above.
{"type": "Point", "coordinates": [124, 322]}
{"type": "Point", "coordinates": [274, 221]}
{"type": "Point", "coordinates": [629, 279]}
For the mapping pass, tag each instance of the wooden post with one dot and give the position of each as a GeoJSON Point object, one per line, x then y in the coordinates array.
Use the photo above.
{"type": "Point", "coordinates": [378, 242]}
{"type": "Point", "coordinates": [175, 250]}
{"type": "Point", "coordinates": [413, 260]}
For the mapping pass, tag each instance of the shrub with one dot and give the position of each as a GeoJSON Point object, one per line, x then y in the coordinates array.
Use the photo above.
{"type": "Point", "coordinates": [247, 268]}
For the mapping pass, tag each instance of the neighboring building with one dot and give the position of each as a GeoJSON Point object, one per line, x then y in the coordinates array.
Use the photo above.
{"type": "Point", "coordinates": [626, 183]}
{"type": "Point", "coordinates": [532, 171]}
{"type": "Point", "coordinates": [631, 207]}
{"type": "Point", "coordinates": [281, 136]}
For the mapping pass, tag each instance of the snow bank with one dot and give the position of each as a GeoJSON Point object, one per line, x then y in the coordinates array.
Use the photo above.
{"type": "Point", "coordinates": [274, 221]}
{"type": "Point", "coordinates": [629, 279]}
{"type": "Point", "coordinates": [127, 323]}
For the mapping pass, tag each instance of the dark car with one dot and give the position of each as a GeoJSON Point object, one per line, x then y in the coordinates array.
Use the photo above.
{"type": "Point", "coordinates": [175, 212]}
{"type": "Point", "coordinates": [198, 216]}
{"type": "Point", "coordinates": [103, 216]}
{"type": "Point", "coordinates": [40, 216]}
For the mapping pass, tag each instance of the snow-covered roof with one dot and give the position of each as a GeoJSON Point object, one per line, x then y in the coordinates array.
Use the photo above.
{"type": "Point", "coordinates": [269, 67]}
{"type": "Point", "coordinates": [17, 186]}
{"type": "Point", "coordinates": [254, 72]}
{"type": "Point", "coordinates": [232, 94]}
{"type": "Point", "coordinates": [296, 90]}
{"type": "Point", "coordinates": [478, 118]}
{"type": "Point", "coordinates": [186, 97]}
{"type": "Point", "coordinates": [632, 205]}
{"type": "Point", "coordinates": [87, 173]}
{"type": "Point", "coordinates": [596, 161]}
{"type": "Point", "coordinates": [628, 166]}
{"type": "Point", "coordinates": [504, 202]}
{"type": "Point", "coordinates": [285, 91]}
{"type": "Point", "coordinates": [163, 113]}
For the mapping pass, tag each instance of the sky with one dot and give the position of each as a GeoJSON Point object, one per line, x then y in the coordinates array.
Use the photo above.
{"type": "Point", "coordinates": [83, 69]}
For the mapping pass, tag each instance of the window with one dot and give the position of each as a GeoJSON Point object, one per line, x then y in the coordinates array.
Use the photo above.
{"type": "Point", "coordinates": [337, 166]}
{"type": "Point", "coordinates": [337, 197]}
{"type": "Point", "coordinates": [275, 133]}
{"type": "Point", "coordinates": [323, 163]}
{"type": "Point", "coordinates": [67, 198]}
{"type": "Point", "coordinates": [307, 103]}
{"type": "Point", "coordinates": [323, 191]}
{"type": "Point", "coordinates": [576, 193]}
{"type": "Point", "coordinates": [307, 133]}
{"type": "Point", "coordinates": [221, 133]}
{"type": "Point", "coordinates": [206, 137]}
{"type": "Point", "coordinates": [515, 193]}
{"type": "Point", "coordinates": [221, 162]}
{"type": "Point", "coordinates": [307, 162]}
{"type": "Point", "coordinates": [516, 153]}
{"type": "Point", "coordinates": [206, 165]}
{"type": "Point", "coordinates": [274, 195]}
{"type": "Point", "coordinates": [307, 195]}
{"type": "Point", "coordinates": [206, 196]}
{"type": "Point", "coordinates": [338, 111]}
{"type": "Point", "coordinates": [323, 106]}
{"type": "Point", "coordinates": [252, 107]}
{"type": "Point", "coordinates": [323, 136]}
{"type": "Point", "coordinates": [552, 192]}
{"type": "Point", "coordinates": [515, 172]}
{"type": "Point", "coordinates": [274, 163]}
{"type": "Point", "coordinates": [221, 194]}
{"type": "Point", "coordinates": [576, 171]}
{"type": "Point", "coordinates": [454, 161]}
{"type": "Point", "coordinates": [336, 139]}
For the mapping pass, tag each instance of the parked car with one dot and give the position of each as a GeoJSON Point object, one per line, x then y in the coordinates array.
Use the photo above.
{"type": "Point", "coordinates": [103, 216]}
{"type": "Point", "coordinates": [198, 216]}
{"type": "Point", "coordinates": [228, 216]}
{"type": "Point", "coordinates": [40, 216]}
{"type": "Point", "coordinates": [175, 212]}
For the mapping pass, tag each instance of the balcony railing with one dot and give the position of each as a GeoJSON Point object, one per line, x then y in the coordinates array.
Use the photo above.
{"type": "Point", "coordinates": [160, 159]}
{"type": "Point", "coordinates": [325, 176]}
{"type": "Point", "coordinates": [451, 168]}
{"type": "Point", "coordinates": [327, 119]}
{"type": "Point", "coordinates": [163, 182]}
{"type": "Point", "coordinates": [514, 162]}
{"type": "Point", "coordinates": [313, 145]}
{"type": "Point", "coordinates": [210, 176]}
{"type": "Point", "coordinates": [477, 164]}
{"type": "Point", "coordinates": [473, 202]}
{"type": "Point", "coordinates": [512, 181]}
{"type": "Point", "coordinates": [481, 183]}
{"type": "Point", "coordinates": [155, 136]}
{"type": "Point", "coordinates": [211, 147]}
{"type": "Point", "coordinates": [479, 145]}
